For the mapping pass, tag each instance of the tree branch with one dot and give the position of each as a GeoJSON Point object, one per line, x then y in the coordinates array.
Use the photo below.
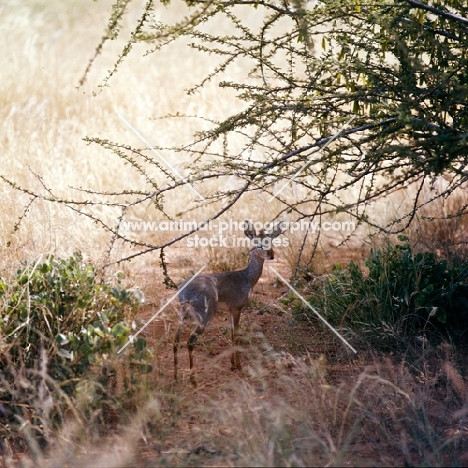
{"type": "Point", "coordinates": [438, 12]}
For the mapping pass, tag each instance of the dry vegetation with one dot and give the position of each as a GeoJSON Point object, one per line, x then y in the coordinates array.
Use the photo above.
{"type": "Point", "coordinates": [46, 115]}
{"type": "Point", "coordinates": [303, 399]}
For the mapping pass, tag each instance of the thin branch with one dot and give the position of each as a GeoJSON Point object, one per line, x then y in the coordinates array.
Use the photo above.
{"type": "Point", "coordinates": [438, 12]}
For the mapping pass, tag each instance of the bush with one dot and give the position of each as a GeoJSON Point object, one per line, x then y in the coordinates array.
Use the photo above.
{"type": "Point", "coordinates": [59, 328]}
{"type": "Point", "coordinates": [404, 295]}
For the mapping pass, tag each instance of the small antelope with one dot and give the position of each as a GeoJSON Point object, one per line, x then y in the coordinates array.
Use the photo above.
{"type": "Point", "coordinates": [202, 296]}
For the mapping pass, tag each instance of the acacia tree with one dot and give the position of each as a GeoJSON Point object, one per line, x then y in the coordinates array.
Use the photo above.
{"type": "Point", "coordinates": [351, 100]}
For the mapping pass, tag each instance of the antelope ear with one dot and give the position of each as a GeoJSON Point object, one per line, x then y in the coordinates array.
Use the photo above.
{"type": "Point", "coordinates": [249, 230]}
{"type": "Point", "coordinates": [274, 233]}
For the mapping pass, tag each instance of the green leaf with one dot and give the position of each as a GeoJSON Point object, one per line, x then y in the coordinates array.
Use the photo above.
{"type": "Point", "coordinates": [98, 331]}
{"type": "Point", "coordinates": [62, 339]}
{"type": "Point", "coordinates": [121, 330]}
{"type": "Point", "coordinates": [140, 344]}
{"type": "Point", "coordinates": [439, 313]}
{"type": "Point", "coordinates": [65, 354]}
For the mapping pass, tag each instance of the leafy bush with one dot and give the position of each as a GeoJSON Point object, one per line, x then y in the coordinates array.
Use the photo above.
{"type": "Point", "coordinates": [58, 325]}
{"type": "Point", "coordinates": [403, 295]}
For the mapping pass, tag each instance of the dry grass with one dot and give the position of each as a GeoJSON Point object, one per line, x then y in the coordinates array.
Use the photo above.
{"type": "Point", "coordinates": [45, 115]}
{"type": "Point", "coordinates": [286, 411]}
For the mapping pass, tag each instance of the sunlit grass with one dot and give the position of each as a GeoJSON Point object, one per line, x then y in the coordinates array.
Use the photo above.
{"type": "Point", "coordinates": [45, 115]}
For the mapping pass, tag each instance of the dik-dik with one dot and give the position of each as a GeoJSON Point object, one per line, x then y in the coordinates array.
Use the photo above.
{"type": "Point", "coordinates": [200, 297]}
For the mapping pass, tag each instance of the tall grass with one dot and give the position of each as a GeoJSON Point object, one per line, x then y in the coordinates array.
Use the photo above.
{"type": "Point", "coordinates": [292, 415]}
{"type": "Point", "coordinates": [45, 116]}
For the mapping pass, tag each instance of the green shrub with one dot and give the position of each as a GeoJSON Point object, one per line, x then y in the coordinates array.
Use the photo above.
{"type": "Point", "coordinates": [404, 295]}
{"type": "Point", "coordinates": [59, 329]}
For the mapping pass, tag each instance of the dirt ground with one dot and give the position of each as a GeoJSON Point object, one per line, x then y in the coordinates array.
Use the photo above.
{"type": "Point", "coordinates": [265, 322]}
{"type": "Point", "coordinates": [274, 345]}
{"type": "Point", "coordinates": [266, 328]}
{"type": "Point", "coordinates": [271, 339]}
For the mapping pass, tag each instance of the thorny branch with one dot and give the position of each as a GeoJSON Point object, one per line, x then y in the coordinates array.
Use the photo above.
{"type": "Point", "coordinates": [311, 69]}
